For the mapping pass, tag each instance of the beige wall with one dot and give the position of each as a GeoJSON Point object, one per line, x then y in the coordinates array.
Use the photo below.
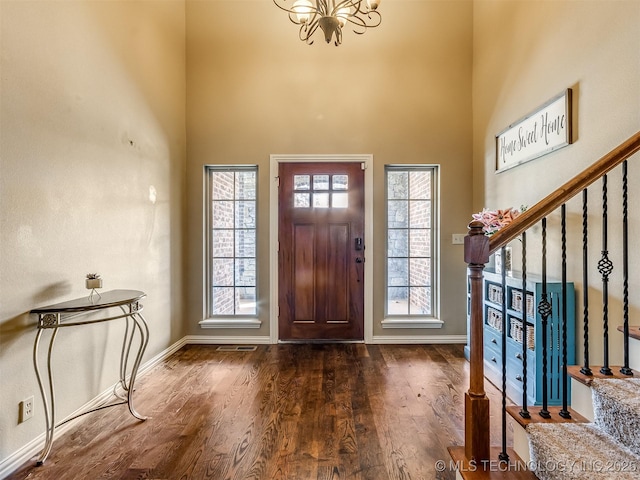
{"type": "Point", "coordinates": [92, 118]}
{"type": "Point", "coordinates": [525, 53]}
{"type": "Point", "coordinates": [400, 92]}
{"type": "Point", "coordinates": [93, 101]}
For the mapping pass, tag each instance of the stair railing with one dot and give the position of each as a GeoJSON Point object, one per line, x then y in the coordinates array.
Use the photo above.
{"type": "Point", "coordinates": [479, 247]}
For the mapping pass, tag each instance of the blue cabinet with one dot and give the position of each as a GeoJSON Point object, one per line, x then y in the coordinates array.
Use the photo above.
{"type": "Point", "coordinates": [516, 314]}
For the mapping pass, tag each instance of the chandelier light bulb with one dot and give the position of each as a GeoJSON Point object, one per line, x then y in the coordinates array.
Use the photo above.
{"type": "Point", "coordinates": [303, 9]}
{"type": "Point", "coordinates": [342, 14]}
{"type": "Point", "coordinates": [373, 4]}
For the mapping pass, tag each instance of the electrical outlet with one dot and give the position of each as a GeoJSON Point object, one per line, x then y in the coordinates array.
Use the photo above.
{"type": "Point", "coordinates": [458, 238]}
{"type": "Point", "coordinates": [26, 409]}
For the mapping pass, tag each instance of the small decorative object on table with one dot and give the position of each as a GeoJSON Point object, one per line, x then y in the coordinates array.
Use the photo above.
{"type": "Point", "coordinates": [93, 281]}
{"type": "Point", "coordinates": [505, 262]}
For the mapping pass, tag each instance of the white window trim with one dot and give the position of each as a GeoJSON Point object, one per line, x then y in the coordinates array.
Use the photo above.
{"type": "Point", "coordinates": [420, 322]}
{"type": "Point", "coordinates": [231, 322]}
{"type": "Point", "coordinates": [417, 322]}
{"type": "Point", "coordinates": [223, 322]}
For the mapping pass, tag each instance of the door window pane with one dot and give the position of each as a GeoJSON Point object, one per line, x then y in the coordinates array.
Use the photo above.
{"type": "Point", "coordinates": [301, 182]}
{"type": "Point", "coordinates": [339, 200]}
{"type": "Point", "coordinates": [321, 200]}
{"type": "Point", "coordinates": [321, 182]}
{"type": "Point", "coordinates": [340, 182]}
{"type": "Point", "coordinates": [301, 200]}
{"type": "Point", "coordinates": [327, 191]}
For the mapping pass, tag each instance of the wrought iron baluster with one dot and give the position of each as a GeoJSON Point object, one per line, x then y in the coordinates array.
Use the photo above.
{"type": "Point", "coordinates": [605, 267]}
{"type": "Point", "coordinates": [625, 370]}
{"type": "Point", "coordinates": [586, 369]}
{"type": "Point", "coordinates": [544, 309]}
{"type": "Point", "coordinates": [524, 412]}
{"type": "Point", "coordinates": [504, 456]}
{"type": "Point", "coordinates": [564, 413]}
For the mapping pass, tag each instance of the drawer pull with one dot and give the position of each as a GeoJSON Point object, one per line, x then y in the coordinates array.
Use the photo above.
{"type": "Point", "coordinates": [493, 359]}
{"type": "Point", "coordinates": [519, 356]}
{"type": "Point", "coordinates": [519, 378]}
{"type": "Point", "coordinates": [493, 340]}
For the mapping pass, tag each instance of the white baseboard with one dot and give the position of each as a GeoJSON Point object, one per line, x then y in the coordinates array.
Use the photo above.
{"type": "Point", "coordinates": [414, 339]}
{"type": "Point", "coordinates": [35, 446]}
{"type": "Point", "coordinates": [224, 340]}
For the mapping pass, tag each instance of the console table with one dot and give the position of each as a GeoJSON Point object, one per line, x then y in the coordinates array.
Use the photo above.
{"type": "Point", "coordinates": [74, 314]}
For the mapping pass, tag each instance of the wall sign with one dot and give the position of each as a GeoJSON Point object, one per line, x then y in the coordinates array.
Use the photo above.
{"type": "Point", "coordinates": [544, 130]}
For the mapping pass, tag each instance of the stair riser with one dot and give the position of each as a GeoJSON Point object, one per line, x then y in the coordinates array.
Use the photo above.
{"type": "Point", "coordinates": [581, 399]}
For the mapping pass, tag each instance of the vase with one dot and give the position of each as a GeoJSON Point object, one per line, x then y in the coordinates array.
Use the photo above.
{"type": "Point", "coordinates": [503, 263]}
{"type": "Point", "coordinates": [93, 283]}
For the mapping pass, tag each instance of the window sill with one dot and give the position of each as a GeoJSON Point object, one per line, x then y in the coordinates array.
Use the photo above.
{"type": "Point", "coordinates": [412, 323]}
{"type": "Point", "coordinates": [230, 323]}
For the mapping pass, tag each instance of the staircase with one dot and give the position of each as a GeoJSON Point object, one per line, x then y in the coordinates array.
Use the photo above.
{"type": "Point", "coordinates": [595, 434]}
{"type": "Point", "coordinates": [607, 447]}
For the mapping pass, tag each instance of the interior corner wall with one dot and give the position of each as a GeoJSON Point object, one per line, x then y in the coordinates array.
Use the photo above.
{"type": "Point", "coordinates": [92, 159]}
{"type": "Point", "coordinates": [524, 54]}
{"type": "Point", "coordinates": [401, 92]}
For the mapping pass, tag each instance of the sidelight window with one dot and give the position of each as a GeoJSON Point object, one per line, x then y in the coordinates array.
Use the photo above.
{"type": "Point", "coordinates": [411, 201]}
{"type": "Point", "coordinates": [231, 241]}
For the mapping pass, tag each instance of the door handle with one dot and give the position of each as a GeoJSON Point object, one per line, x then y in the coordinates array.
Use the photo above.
{"type": "Point", "coordinates": [359, 260]}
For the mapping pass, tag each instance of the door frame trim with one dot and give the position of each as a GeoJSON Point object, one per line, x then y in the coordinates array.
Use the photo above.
{"type": "Point", "coordinates": [275, 161]}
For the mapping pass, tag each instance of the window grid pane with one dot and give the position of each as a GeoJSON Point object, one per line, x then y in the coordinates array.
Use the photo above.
{"type": "Point", "coordinates": [410, 206]}
{"type": "Point", "coordinates": [233, 275]}
{"type": "Point", "coordinates": [326, 191]}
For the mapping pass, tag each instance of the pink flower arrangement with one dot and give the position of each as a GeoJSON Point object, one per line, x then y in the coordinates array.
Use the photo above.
{"type": "Point", "coordinates": [494, 220]}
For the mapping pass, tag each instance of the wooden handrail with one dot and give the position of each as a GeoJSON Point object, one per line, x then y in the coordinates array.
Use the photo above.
{"type": "Point", "coordinates": [477, 248]}
{"type": "Point", "coordinates": [566, 192]}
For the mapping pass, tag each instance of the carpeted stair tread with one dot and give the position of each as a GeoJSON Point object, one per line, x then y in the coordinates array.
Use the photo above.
{"type": "Point", "coordinates": [577, 451]}
{"type": "Point", "coordinates": [616, 404]}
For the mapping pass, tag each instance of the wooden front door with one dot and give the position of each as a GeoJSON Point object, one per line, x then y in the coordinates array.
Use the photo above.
{"type": "Point", "coordinates": [321, 251]}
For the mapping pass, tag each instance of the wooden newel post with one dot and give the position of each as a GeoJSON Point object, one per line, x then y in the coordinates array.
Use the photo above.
{"type": "Point", "coordinates": [476, 255]}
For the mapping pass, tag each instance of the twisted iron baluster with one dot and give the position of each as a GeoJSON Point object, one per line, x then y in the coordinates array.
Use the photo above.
{"type": "Point", "coordinates": [504, 456]}
{"type": "Point", "coordinates": [544, 309]}
{"type": "Point", "coordinates": [625, 370]}
{"type": "Point", "coordinates": [564, 413]}
{"type": "Point", "coordinates": [524, 412]}
{"type": "Point", "coordinates": [586, 369]}
{"type": "Point", "coordinates": [605, 267]}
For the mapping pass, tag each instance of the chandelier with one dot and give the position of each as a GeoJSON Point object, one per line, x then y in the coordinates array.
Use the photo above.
{"type": "Point", "coordinates": [331, 16]}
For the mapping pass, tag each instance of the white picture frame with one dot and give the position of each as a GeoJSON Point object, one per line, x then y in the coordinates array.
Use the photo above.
{"type": "Point", "coordinates": [539, 133]}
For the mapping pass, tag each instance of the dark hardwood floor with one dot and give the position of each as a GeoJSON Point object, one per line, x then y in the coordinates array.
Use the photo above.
{"type": "Point", "coordinates": [286, 412]}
